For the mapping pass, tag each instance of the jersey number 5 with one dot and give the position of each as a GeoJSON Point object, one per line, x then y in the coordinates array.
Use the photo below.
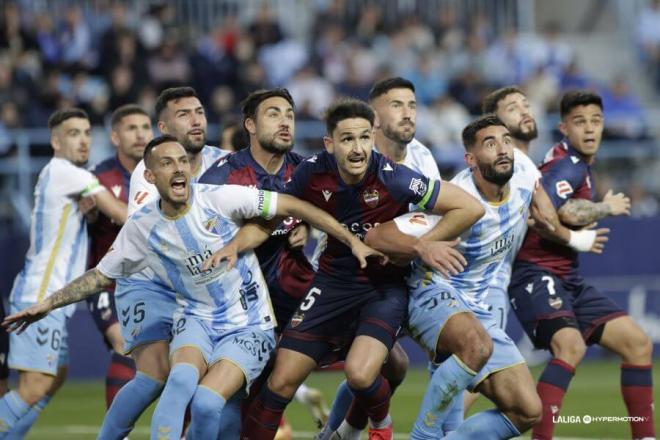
{"type": "Point", "coordinates": [309, 300]}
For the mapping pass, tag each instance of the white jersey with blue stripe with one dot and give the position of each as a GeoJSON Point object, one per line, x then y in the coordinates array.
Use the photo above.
{"type": "Point", "coordinates": [58, 232]}
{"type": "Point", "coordinates": [488, 244]}
{"type": "Point", "coordinates": [175, 249]}
{"type": "Point", "coordinates": [419, 158]}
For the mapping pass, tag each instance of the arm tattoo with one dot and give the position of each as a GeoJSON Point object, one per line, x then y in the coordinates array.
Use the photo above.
{"type": "Point", "coordinates": [581, 212]}
{"type": "Point", "coordinates": [89, 283]}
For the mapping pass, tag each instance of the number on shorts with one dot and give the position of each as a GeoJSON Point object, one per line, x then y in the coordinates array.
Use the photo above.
{"type": "Point", "coordinates": [551, 284]}
{"type": "Point", "coordinates": [55, 340]}
{"type": "Point", "coordinates": [104, 300]}
{"type": "Point", "coordinates": [180, 326]}
{"type": "Point", "coordinates": [138, 312]}
{"type": "Point", "coordinates": [309, 300]}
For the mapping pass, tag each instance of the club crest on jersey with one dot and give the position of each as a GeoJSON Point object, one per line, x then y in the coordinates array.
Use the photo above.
{"type": "Point", "coordinates": [297, 319]}
{"type": "Point", "coordinates": [563, 188]}
{"type": "Point", "coordinates": [555, 302]}
{"type": "Point", "coordinates": [210, 224]}
{"type": "Point", "coordinates": [371, 197]}
{"type": "Point", "coordinates": [418, 186]}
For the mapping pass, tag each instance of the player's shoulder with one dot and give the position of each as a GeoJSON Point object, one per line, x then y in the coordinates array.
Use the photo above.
{"type": "Point", "coordinates": [562, 157]}
{"type": "Point", "coordinates": [416, 148]}
{"type": "Point", "coordinates": [220, 170]}
{"type": "Point", "coordinates": [145, 214]}
{"type": "Point", "coordinates": [109, 165]}
{"type": "Point", "coordinates": [138, 172]}
{"type": "Point", "coordinates": [294, 158]}
{"type": "Point", "coordinates": [213, 153]}
{"type": "Point", "coordinates": [317, 163]}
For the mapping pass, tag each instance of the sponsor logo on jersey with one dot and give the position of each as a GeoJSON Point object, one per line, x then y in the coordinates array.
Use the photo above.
{"type": "Point", "coordinates": [371, 197]}
{"type": "Point", "coordinates": [418, 186]}
{"type": "Point", "coordinates": [555, 302]}
{"type": "Point", "coordinates": [563, 188]}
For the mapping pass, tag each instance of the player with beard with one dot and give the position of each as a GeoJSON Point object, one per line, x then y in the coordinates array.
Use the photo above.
{"type": "Point", "coordinates": [395, 105]}
{"type": "Point", "coordinates": [268, 163]}
{"type": "Point", "coordinates": [131, 131]}
{"type": "Point", "coordinates": [144, 306]}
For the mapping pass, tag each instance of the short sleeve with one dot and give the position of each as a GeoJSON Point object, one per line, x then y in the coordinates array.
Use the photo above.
{"type": "Point", "coordinates": [563, 179]}
{"type": "Point", "coordinates": [127, 255]}
{"type": "Point", "coordinates": [242, 202]}
{"type": "Point", "coordinates": [416, 223]}
{"type": "Point", "coordinates": [140, 191]}
{"type": "Point", "coordinates": [78, 181]}
{"type": "Point", "coordinates": [408, 186]}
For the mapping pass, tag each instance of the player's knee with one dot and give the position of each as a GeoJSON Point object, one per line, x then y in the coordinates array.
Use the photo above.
{"type": "Point", "coordinates": [358, 377]}
{"type": "Point", "coordinates": [528, 415]}
{"type": "Point", "coordinates": [282, 385]}
{"type": "Point", "coordinates": [396, 366]}
{"type": "Point", "coordinates": [638, 348]}
{"type": "Point", "coordinates": [33, 388]}
{"type": "Point", "coordinates": [204, 409]}
{"type": "Point", "coordinates": [569, 347]}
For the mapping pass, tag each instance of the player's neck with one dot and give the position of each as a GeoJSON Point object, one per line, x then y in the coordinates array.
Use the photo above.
{"type": "Point", "coordinates": [173, 210]}
{"type": "Point", "coordinates": [127, 162]}
{"type": "Point", "coordinates": [195, 162]}
{"type": "Point", "coordinates": [492, 192]}
{"type": "Point", "coordinates": [271, 162]}
{"type": "Point", "coordinates": [393, 150]}
{"type": "Point", "coordinates": [522, 146]}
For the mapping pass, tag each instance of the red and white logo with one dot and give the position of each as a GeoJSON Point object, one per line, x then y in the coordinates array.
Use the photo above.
{"type": "Point", "coordinates": [371, 197]}
{"type": "Point", "coordinates": [564, 189]}
{"type": "Point", "coordinates": [418, 219]}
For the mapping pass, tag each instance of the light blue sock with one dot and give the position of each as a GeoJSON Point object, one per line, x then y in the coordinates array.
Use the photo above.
{"type": "Point", "coordinates": [205, 410]}
{"type": "Point", "coordinates": [24, 424]}
{"type": "Point", "coordinates": [455, 416]}
{"type": "Point", "coordinates": [167, 421]}
{"type": "Point", "coordinates": [447, 384]}
{"type": "Point", "coordinates": [12, 409]}
{"type": "Point", "coordinates": [486, 425]}
{"type": "Point", "coordinates": [230, 419]}
{"type": "Point", "coordinates": [127, 406]}
{"type": "Point", "coordinates": [340, 406]}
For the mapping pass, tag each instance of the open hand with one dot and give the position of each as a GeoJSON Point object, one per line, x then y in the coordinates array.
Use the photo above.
{"type": "Point", "coordinates": [442, 256]}
{"type": "Point", "coordinates": [18, 322]}
{"type": "Point", "coordinates": [227, 253]}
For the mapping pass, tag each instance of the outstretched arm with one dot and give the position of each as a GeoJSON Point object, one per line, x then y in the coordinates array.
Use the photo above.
{"type": "Point", "coordinates": [459, 212]}
{"type": "Point", "coordinates": [89, 283]}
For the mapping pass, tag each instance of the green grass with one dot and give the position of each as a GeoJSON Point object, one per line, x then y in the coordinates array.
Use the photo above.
{"type": "Point", "coordinates": [78, 408]}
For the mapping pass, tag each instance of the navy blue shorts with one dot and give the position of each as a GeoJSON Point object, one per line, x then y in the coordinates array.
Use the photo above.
{"type": "Point", "coordinates": [102, 308]}
{"type": "Point", "coordinates": [284, 306]}
{"type": "Point", "coordinates": [334, 312]}
{"type": "Point", "coordinates": [545, 303]}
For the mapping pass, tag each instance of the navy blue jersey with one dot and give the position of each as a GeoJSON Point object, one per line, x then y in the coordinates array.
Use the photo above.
{"type": "Point", "coordinates": [286, 270]}
{"type": "Point", "coordinates": [566, 176]}
{"type": "Point", "coordinates": [385, 192]}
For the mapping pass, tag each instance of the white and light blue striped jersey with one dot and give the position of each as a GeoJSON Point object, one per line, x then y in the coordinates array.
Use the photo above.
{"type": "Point", "coordinates": [420, 159]}
{"type": "Point", "coordinates": [487, 245]}
{"type": "Point", "coordinates": [142, 192]}
{"type": "Point", "coordinates": [58, 232]}
{"type": "Point", "coordinates": [175, 249]}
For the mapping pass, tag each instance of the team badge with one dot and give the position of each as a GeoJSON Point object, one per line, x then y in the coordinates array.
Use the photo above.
{"type": "Point", "coordinates": [209, 225]}
{"type": "Point", "coordinates": [136, 331]}
{"type": "Point", "coordinates": [371, 197]}
{"type": "Point", "coordinates": [417, 186]}
{"type": "Point", "coordinates": [555, 302]}
{"type": "Point", "coordinates": [297, 319]}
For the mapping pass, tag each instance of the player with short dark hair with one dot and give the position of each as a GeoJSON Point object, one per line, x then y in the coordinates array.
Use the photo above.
{"type": "Point", "coordinates": [131, 130]}
{"type": "Point", "coordinates": [557, 308]}
{"type": "Point", "coordinates": [57, 254]}
{"type": "Point", "coordinates": [349, 311]}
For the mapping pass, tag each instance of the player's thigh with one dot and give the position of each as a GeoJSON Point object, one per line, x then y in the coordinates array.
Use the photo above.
{"type": "Point", "coordinates": [34, 385]}
{"type": "Point", "coordinates": [396, 366]}
{"type": "Point", "coordinates": [144, 311]}
{"type": "Point", "coordinates": [513, 390]}
{"type": "Point", "coordinates": [248, 349]}
{"type": "Point", "coordinates": [290, 370]}
{"type": "Point", "coordinates": [625, 337]}
{"type": "Point", "coordinates": [498, 303]}
{"type": "Point", "coordinates": [192, 342]}
{"type": "Point", "coordinates": [114, 338]}
{"type": "Point", "coordinates": [225, 378]}
{"type": "Point", "coordinates": [153, 360]}
{"type": "Point", "coordinates": [364, 361]}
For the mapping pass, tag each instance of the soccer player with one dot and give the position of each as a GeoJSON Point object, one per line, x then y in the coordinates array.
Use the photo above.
{"type": "Point", "coordinates": [223, 333]}
{"type": "Point", "coordinates": [268, 163]}
{"type": "Point", "coordinates": [350, 312]}
{"type": "Point", "coordinates": [558, 310]}
{"type": "Point", "coordinates": [145, 307]}
{"type": "Point", "coordinates": [395, 105]}
{"type": "Point", "coordinates": [448, 316]}
{"type": "Point", "coordinates": [57, 254]}
{"type": "Point", "coordinates": [131, 130]}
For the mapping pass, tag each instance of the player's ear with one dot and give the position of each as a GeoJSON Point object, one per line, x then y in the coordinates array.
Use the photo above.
{"type": "Point", "coordinates": [149, 176]}
{"type": "Point", "coordinates": [562, 128]}
{"type": "Point", "coordinates": [162, 127]}
{"type": "Point", "coordinates": [376, 121]}
{"type": "Point", "coordinates": [114, 138]}
{"type": "Point", "coordinates": [470, 160]}
{"type": "Point", "coordinates": [250, 126]}
{"type": "Point", "coordinates": [329, 145]}
{"type": "Point", "coordinates": [55, 141]}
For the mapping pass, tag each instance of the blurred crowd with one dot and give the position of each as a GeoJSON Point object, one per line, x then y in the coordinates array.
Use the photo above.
{"type": "Point", "coordinates": [104, 56]}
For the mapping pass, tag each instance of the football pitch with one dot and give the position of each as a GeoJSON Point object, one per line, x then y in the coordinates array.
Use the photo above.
{"type": "Point", "coordinates": [77, 411]}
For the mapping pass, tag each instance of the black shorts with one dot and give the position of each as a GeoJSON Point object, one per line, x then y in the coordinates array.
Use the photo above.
{"type": "Point", "coordinates": [102, 308]}
{"type": "Point", "coordinates": [545, 303]}
{"type": "Point", "coordinates": [334, 312]}
{"type": "Point", "coordinates": [4, 345]}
